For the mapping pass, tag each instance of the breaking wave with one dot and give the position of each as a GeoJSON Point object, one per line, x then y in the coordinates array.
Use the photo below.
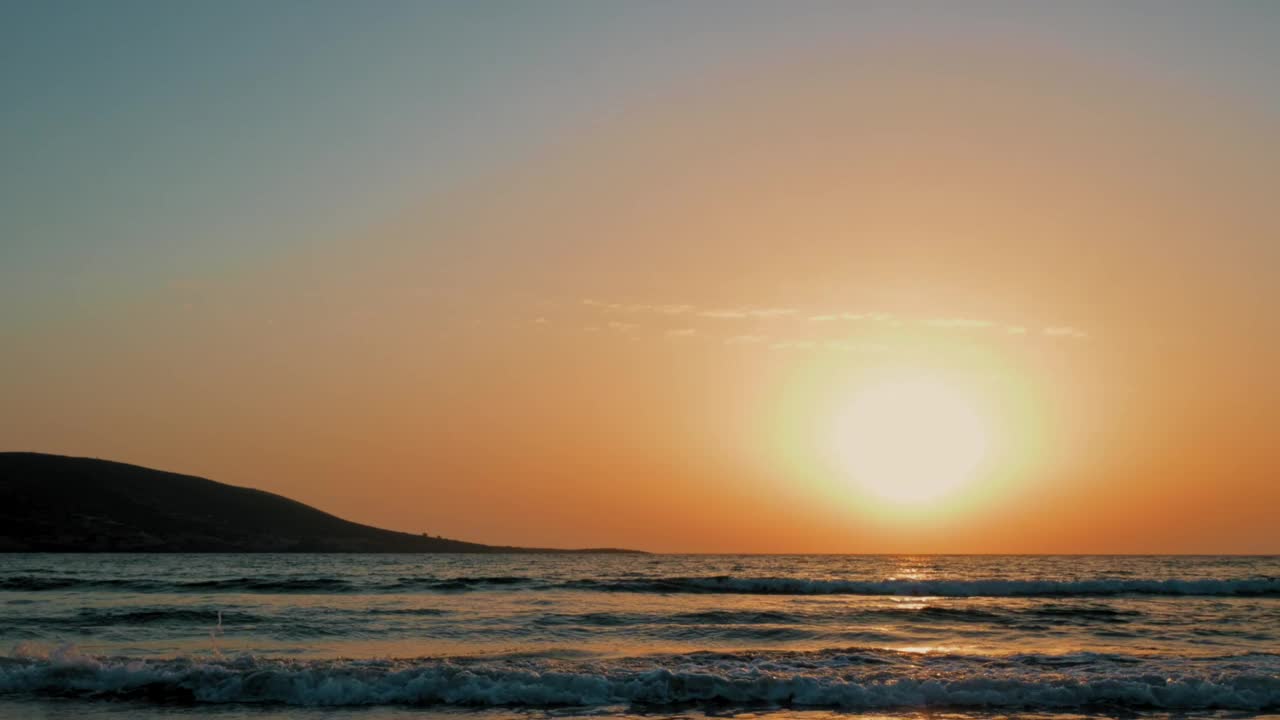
{"type": "Point", "coordinates": [852, 679]}
{"type": "Point", "coordinates": [1248, 587]}
{"type": "Point", "coordinates": [940, 588]}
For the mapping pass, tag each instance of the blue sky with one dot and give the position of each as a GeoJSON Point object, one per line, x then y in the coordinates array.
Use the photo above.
{"type": "Point", "coordinates": [140, 137]}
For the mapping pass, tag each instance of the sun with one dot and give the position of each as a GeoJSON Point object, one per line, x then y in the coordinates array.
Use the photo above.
{"type": "Point", "coordinates": [910, 440]}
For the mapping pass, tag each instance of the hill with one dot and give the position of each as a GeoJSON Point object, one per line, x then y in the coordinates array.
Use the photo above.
{"type": "Point", "coordinates": [52, 503]}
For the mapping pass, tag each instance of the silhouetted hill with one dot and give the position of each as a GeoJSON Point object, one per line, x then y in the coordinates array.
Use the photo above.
{"type": "Point", "coordinates": [65, 504]}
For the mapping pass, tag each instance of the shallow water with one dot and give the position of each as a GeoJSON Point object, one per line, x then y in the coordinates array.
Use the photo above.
{"type": "Point", "coordinates": [542, 635]}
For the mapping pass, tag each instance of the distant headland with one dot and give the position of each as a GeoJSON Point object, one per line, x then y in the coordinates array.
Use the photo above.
{"type": "Point", "coordinates": [54, 503]}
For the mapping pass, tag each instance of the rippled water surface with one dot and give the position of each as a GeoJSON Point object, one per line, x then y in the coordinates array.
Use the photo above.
{"type": "Point", "coordinates": [547, 635]}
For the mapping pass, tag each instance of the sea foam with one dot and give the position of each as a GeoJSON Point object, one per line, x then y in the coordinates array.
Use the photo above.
{"type": "Point", "coordinates": [836, 679]}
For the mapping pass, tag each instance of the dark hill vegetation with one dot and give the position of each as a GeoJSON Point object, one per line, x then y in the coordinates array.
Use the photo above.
{"type": "Point", "coordinates": [52, 503]}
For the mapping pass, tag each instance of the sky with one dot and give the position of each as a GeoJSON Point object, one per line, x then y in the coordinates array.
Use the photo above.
{"type": "Point", "coordinates": [583, 274]}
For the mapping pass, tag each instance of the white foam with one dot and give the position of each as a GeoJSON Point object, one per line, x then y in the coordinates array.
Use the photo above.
{"type": "Point", "coordinates": [848, 680]}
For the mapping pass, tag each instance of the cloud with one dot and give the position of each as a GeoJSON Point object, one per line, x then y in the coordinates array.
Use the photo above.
{"type": "Point", "coordinates": [854, 346]}
{"type": "Point", "coordinates": [684, 308]}
{"type": "Point", "coordinates": [771, 312]}
{"type": "Point", "coordinates": [958, 322]}
{"type": "Point", "coordinates": [739, 314]}
{"type": "Point", "coordinates": [794, 345]}
{"type": "Point", "coordinates": [666, 309]}
{"type": "Point", "coordinates": [1066, 331]}
{"type": "Point", "coordinates": [882, 318]}
{"type": "Point", "coordinates": [540, 321]}
{"type": "Point", "coordinates": [759, 313]}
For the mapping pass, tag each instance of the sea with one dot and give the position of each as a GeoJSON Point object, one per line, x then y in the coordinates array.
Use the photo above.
{"type": "Point", "coordinates": [637, 636]}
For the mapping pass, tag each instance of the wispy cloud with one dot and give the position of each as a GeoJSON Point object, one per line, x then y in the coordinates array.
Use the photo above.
{"type": "Point", "coordinates": [855, 346]}
{"type": "Point", "coordinates": [747, 313]}
{"type": "Point", "coordinates": [690, 313]}
{"type": "Point", "coordinates": [681, 309]}
{"type": "Point", "coordinates": [771, 312]}
{"type": "Point", "coordinates": [958, 323]}
{"type": "Point", "coordinates": [794, 345]}
{"type": "Point", "coordinates": [1066, 331]}
{"type": "Point", "coordinates": [666, 309]}
{"type": "Point", "coordinates": [882, 318]}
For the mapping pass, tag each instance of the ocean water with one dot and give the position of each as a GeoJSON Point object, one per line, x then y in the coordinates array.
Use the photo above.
{"type": "Point", "coordinates": [548, 636]}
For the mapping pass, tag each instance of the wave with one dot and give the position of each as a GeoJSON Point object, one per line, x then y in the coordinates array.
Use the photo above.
{"type": "Point", "coordinates": [266, 584]}
{"type": "Point", "coordinates": [271, 585]}
{"type": "Point", "coordinates": [853, 679]}
{"type": "Point", "coordinates": [408, 612]}
{"type": "Point", "coordinates": [463, 583]}
{"type": "Point", "coordinates": [243, 584]}
{"type": "Point", "coordinates": [702, 618]}
{"type": "Point", "coordinates": [1251, 587]}
{"type": "Point", "coordinates": [147, 616]}
{"type": "Point", "coordinates": [723, 584]}
{"type": "Point", "coordinates": [41, 583]}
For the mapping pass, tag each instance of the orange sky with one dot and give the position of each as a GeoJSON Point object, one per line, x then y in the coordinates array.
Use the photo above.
{"type": "Point", "coordinates": [634, 330]}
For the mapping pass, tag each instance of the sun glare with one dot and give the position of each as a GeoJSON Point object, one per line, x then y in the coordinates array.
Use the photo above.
{"type": "Point", "coordinates": [910, 441]}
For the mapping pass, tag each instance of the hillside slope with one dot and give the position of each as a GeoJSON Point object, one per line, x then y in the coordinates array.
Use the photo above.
{"type": "Point", "coordinates": [65, 504]}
